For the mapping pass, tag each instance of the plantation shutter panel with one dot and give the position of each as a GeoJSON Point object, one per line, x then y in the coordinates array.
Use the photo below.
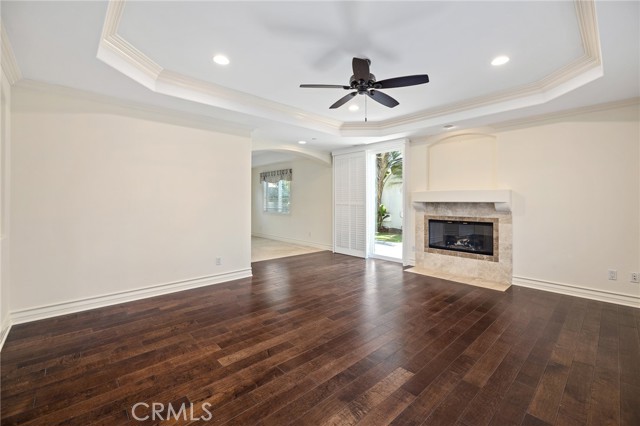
{"type": "Point", "coordinates": [349, 188]}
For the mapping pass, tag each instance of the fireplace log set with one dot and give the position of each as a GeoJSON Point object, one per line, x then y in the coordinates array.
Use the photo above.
{"type": "Point", "coordinates": [474, 237]}
{"type": "Point", "coordinates": [472, 242]}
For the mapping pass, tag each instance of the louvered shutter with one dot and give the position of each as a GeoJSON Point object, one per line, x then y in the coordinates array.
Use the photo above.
{"type": "Point", "coordinates": [349, 182]}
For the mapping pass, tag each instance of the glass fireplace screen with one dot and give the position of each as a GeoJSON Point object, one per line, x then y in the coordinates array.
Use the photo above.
{"type": "Point", "coordinates": [469, 237]}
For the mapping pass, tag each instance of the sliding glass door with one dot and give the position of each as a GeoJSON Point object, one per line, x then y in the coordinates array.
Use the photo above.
{"type": "Point", "coordinates": [387, 189]}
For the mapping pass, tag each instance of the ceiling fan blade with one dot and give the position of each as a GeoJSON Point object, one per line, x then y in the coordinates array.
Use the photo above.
{"type": "Point", "coordinates": [324, 86]}
{"type": "Point", "coordinates": [382, 98]}
{"type": "Point", "coordinates": [343, 100]}
{"type": "Point", "coordinates": [361, 69]}
{"type": "Point", "coordinates": [409, 80]}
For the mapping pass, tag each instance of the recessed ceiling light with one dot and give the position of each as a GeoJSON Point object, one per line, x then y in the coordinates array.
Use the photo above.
{"type": "Point", "coordinates": [448, 126]}
{"type": "Point", "coordinates": [221, 60]}
{"type": "Point", "coordinates": [354, 107]}
{"type": "Point", "coordinates": [302, 142]}
{"type": "Point", "coordinates": [500, 60]}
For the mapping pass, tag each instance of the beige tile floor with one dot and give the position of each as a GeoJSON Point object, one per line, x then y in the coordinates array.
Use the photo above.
{"type": "Point", "coordinates": [492, 285]}
{"type": "Point", "coordinates": [264, 249]}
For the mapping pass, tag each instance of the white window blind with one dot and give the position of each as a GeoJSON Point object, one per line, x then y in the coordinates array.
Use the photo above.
{"type": "Point", "coordinates": [349, 180]}
{"type": "Point", "coordinates": [276, 190]}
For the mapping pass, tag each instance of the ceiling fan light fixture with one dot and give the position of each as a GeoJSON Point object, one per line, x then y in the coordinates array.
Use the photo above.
{"type": "Point", "coordinates": [363, 82]}
{"type": "Point", "coordinates": [354, 107]}
{"type": "Point", "coordinates": [221, 60]}
{"type": "Point", "coordinates": [500, 60]}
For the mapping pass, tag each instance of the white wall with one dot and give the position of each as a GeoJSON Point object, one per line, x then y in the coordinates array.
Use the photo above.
{"type": "Point", "coordinates": [392, 199]}
{"type": "Point", "coordinates": [109, 203]}
{"type": "Point", "coordinates": [5, 155]}
{"type": "Point", "coordinates": [576, 204]}
{"type": "Point", "coordinates": [310, 221]}
{"type": "Point", "coordinates": [469, 163]}
{"type": "Point", "coordinates": [576, 201]}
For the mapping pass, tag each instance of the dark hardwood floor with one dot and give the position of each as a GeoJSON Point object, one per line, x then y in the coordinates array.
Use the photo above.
{"type": "Point", "coordinates": [329, 339]}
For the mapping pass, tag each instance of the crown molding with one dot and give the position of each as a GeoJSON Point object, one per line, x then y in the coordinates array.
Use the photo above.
{"type": "Point", "coordinates": [121, 55]}
{"type": "Point", "coordinates": [564, 114]}
{"type": "Point", "coordinates": [577, 73]}
{"type": "Point", "coordinates": [586, 14]}
{"type": "Point", "coordinates": [115, 51]}
{"type": "Point", "coordinates": [131, 60]}
{"type": "Point", "coordinates": [9, 64]}
{"type": "Point", "coordinates": [552, 117]}
{"type": "Point", "coordinates": [176, 84]}
{"type": "Point", "coordinates": [109, 104]}
{"type": "Point", "coordinates": [115, 8]}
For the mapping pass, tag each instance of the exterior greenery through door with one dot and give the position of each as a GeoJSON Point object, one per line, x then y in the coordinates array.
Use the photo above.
{"type": "Point", "coordinates": [389, 171]}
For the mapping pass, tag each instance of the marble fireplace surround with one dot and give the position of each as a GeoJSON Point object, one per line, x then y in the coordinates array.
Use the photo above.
{"type": "Point", "coordinates": [494, 205]}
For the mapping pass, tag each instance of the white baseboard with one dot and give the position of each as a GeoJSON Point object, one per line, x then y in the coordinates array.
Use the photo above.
{"type": "Point", "coordinates": [294, 241]}
{"type": "Point", "coordinates": [4, 333]}
{"type": "Point", "coordinates": [33, 314]}
{"type": "Point", "coordinates": [572, 290]}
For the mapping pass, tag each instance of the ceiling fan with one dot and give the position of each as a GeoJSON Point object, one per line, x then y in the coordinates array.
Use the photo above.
{"type": "Point", "coordinates": [364, 83]}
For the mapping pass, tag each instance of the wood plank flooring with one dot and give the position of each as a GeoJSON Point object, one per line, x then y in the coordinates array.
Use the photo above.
{"type": "Point", "coordinates": [329, 339]}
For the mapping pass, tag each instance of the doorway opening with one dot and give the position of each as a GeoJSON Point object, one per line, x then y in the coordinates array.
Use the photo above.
{"type": "Point", "coordinates": [388, 204]}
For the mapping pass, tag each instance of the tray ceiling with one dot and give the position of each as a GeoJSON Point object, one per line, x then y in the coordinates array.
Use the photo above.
{"type": "Point", "coordinates": [160, 53]}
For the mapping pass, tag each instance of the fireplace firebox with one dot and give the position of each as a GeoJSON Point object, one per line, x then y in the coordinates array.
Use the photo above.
{"type": "Point", "coordinates": [461, 236]}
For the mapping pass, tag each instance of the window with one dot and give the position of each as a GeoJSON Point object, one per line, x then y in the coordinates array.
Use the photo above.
{"type": "Point", "coordinates": [276, 191]}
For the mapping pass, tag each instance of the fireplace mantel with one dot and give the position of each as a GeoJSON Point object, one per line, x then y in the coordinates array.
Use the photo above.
{"type": "Point", "coordinates": [500, 197]}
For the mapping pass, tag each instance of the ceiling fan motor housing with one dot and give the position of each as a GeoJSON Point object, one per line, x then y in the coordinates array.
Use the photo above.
{"type": "Point", "coordinates": [360, 85]}
{"type": "Point", "coordinates": [363, 82]}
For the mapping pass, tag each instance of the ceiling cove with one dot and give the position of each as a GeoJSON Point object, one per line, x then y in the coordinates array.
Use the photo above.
{"type": "Point", "coordinates": [120, 54]}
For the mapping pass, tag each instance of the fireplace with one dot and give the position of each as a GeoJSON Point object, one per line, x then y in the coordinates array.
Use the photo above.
{"type": "Point", "coordinates": [458, 235]}
{"type": "Point", "coordinates": [462, 236]}
{"type": "Point", "coordinates": [435, 209]}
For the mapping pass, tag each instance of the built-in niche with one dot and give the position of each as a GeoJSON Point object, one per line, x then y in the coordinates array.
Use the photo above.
{"type": "Point", "coordinates": [463, 219]}
{"type": "Point", "coordinates": [462, 162]}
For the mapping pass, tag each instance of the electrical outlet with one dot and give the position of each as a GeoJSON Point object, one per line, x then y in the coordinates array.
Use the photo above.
{"type": "Point", "coordinates": [218, 261]}
{"type": "Point", "coordinates": [635, 277]}
{"type": "Point", "coordinates": [613, 274]}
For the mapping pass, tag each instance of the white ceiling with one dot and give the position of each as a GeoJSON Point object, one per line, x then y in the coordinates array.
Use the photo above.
{"type": "Point", "coordinates": [159, 53]}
